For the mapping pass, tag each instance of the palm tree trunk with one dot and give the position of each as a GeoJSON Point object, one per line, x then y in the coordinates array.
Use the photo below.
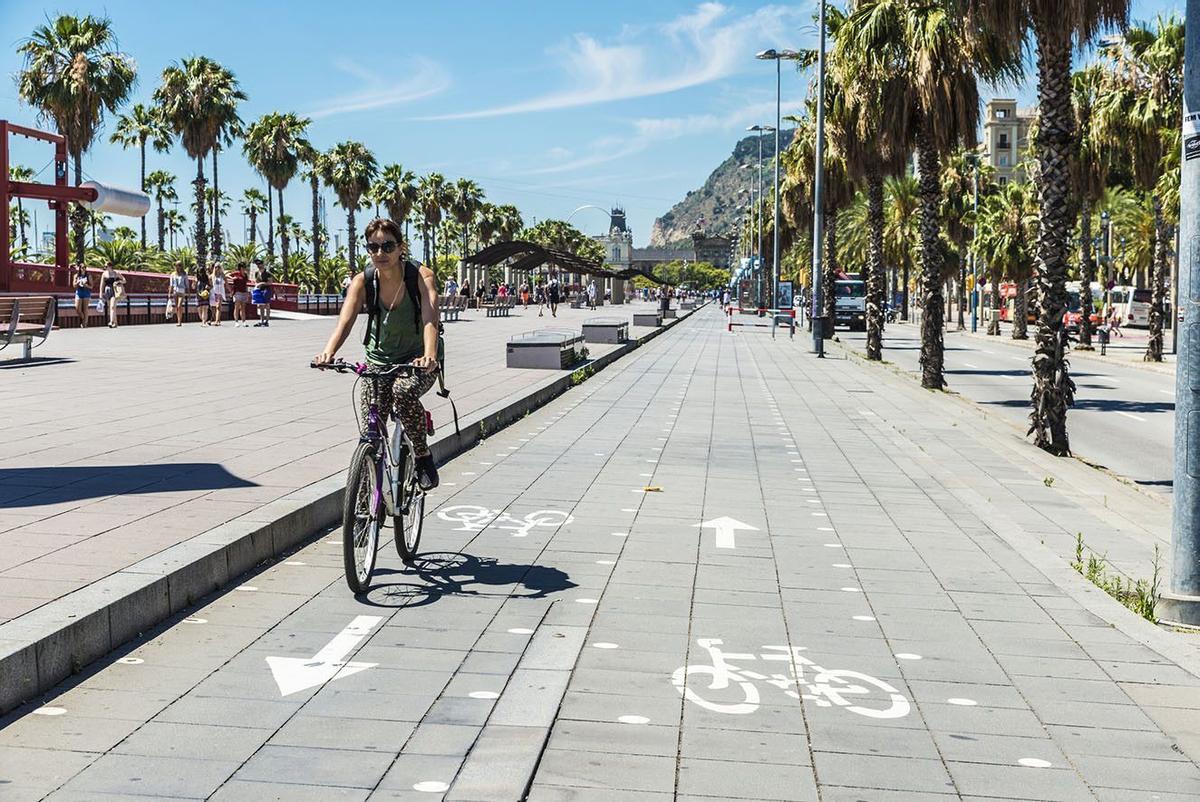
{"type": "Point", "coordinates": [216, 232]}
{"type": "Point", "coordinates": [21, 220]}
{"type": "Point", "coordinates": [932, 353]}
{"type": "Point", "coordinates": [875, 277]}
{"type": "Point", "coordinates": [993, 329]}
{"type": "Point", "coordinates": [433, 248]}
{"type": "Point", "coordinates": [350, 239]}
{"type": "Point", "coordinates": [1053, 390]}
{"type": "Point", "coordinates": [201, 237]}
{"type": "Point", "coordinates": [1154, 348]}
{"type": "Point", "coordinates": [314, 182]}
{"type": "Point", "coordinates": [962, 283]}
{"type": "Point", "coordinates": [142, 220]}
{"type": "Point", "coordinates": [78, 215]}
{"type": "Point", "coordinates": [1087, 274]}
{"type": "Point", "coordinates": [1021, 312]}
{"type": "Point", "coordinates": [162, 232]}
{"type": "Point", "coordinates": [270, 228]}
{"type": "Point", "coordinates": [283, 235]}
{"type": "Point", "coordinates": [904, 290]}
{"type": "Point", "coordinates": [829, 273]}
{"type": "Point", "coordinates": [253, 226]}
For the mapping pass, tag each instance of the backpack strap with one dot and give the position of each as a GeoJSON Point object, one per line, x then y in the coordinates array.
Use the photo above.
{"type": "Point", "coordinates": [371, 283]}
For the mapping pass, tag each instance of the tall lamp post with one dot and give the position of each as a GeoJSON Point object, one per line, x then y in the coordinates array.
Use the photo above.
{"type": "Point", "coordinates": [974, 160]}
{"type": "Point", "coordinates": [818, 300]}
{"type": "Point", "coordinates": [760, 129]}
{"type": "Point", "coordinates": [1181, 604]}
{"type": "Point", "coordinates": [1106, 255]}
{"type": "Point", "coordinates": [777, 56]}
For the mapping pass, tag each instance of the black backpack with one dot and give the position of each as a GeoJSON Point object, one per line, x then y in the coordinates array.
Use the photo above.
{"type": "Point", "coordinates": [412, 281]}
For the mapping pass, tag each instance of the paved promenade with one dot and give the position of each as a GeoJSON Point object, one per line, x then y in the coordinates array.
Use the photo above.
{"type": "Point", "coordinates": [720, 569]}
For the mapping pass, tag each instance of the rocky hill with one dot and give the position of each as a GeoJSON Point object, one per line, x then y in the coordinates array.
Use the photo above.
{"type": "Point", "coordinates": [717, 201]}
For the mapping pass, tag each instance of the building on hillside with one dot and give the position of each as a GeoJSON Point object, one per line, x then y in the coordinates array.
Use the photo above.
{"type": "Point", "coordinates": [1005, 138]}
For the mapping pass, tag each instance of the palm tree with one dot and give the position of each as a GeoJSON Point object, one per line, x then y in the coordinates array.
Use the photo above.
{"type": "Point", "coordinates": [273, 147]}
{"type": "Point", "coordinates": [140, 126]}
{"type": "Point", "coordinates": [465, 199]}
{"type": "Point", "coordinates": [283, 224]}
{"type": "Point", "coordinates": [940, 60]}
{"type": "Point", "coordinates": [1140, 111]}
{"type": "Point", "coordinates": [1057, 26]}
{"type": "Point", "coordinates": [431, 201]}
{"type": "Point", "coordinates": [174, 223]}
{"type": "Point", "coordinates": [487, 225]}
{"type": "Point", "coordinates": [72, 74]}
{"type": "Point", "coordinates": [254, 203]}
{"type": "Point", "coordinates": [199, 99]}
{"type": "Point", "coordinates": [312, 157]}
{"type": "Point", "coordinates": [161, 186]}
{"type": "Point", "coordinates": [958, 175]}
{"type": "Point", "coordinates": [18, 172]}
{"type": "Point", "coordinates": [1089, 172]}
{"type": "Point", "coordinates": [349, 169]}
{"type": "Point", "coordinates": [1006, 220]}
{"type": "Point", "coordinates": [396, 191]}
{"type": "Point", "coordinates": [509, 223]}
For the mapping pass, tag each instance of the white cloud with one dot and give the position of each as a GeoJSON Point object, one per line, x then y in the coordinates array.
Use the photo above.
{"type": "Point", "coordinates": [425, 78]}
{"type": "Point", "coordinates": [694, 49]}
{"type": "Point", "coordinates": [649, 131]}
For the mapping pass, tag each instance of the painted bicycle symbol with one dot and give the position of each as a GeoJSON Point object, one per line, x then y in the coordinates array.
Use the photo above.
{"type": "Point", "coordinates": [475, 519]}
{"type": "Point", "coordinates": [857, 692]}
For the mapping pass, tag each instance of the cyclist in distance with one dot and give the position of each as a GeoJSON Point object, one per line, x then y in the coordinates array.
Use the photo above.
{"type": "Point", "coordinates": [404, 330]}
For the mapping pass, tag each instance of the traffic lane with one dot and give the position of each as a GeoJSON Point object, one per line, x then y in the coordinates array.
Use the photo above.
{"type": "Point", "coordinates": [286, 684]}
{"type": "Point", "coordinates": [1123, 418]}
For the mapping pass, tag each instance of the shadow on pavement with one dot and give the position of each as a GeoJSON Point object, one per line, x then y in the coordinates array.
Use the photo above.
{"type": "Point", "coordinates": [37, 361]}
{"type": "Point", "coordinates": [456, 573]}
{"type": "Point", "coordinates": [1099, 405]}
{"type": "Point", "coordinates": [35, 487]}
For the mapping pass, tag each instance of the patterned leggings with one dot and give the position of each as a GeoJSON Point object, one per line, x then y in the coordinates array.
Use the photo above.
{"type": "Point", "coordinates": [403, 397]}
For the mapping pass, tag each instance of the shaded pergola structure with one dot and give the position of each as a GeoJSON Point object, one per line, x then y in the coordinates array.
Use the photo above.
{"type": "Point", "coordinates": [525, 261]}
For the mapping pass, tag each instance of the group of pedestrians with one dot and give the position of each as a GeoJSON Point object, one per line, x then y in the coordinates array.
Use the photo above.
{"type": "Point", "coordinates": [213, 289]}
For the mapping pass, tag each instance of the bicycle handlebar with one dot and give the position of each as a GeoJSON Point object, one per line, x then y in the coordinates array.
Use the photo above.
{"type": "Point", "coordinates": [364, 369]}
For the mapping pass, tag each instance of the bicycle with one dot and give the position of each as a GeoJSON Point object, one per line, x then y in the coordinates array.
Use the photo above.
{"type": "Point", "coordinates": [833, 687]}
{"type": "Point", "coordinates": [382, 480]}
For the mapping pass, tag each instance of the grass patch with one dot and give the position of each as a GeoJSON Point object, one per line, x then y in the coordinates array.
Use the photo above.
{"type": "Point", "coordinates": [1140, 596]}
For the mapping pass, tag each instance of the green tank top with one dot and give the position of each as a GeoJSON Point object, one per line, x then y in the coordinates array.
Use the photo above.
{"type": "Point", "coordinates": [396, 338]}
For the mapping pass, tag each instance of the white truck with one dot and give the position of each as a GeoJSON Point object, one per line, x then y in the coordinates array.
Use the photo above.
{"type": "Point", "coordinates": [850, 304]}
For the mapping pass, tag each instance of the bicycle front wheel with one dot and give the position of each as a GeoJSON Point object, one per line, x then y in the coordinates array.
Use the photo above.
{"type": "Point", "coordinates": [360, 519]}
{"type": "Point", "coordinates": [409, 520]}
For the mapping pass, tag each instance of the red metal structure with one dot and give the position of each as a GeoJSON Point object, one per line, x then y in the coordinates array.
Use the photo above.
{"type": "Point", "coordinates": [58, 194]}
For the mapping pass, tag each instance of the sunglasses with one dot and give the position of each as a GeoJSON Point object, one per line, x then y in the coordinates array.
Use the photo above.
{"type": "Point", "coordinates": [386, 247]}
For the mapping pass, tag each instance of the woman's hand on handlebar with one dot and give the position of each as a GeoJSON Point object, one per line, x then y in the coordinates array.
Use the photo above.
{"type": "Point", "coordinates": [429, 363]}
{"type": "Point", "coordinates": [322, 360]}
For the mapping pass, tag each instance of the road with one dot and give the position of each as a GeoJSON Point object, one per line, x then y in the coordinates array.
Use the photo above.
{"type": "Point", "coordinates": [1123, 418]}
{"type": "Point", "coordinates": [689, 578]}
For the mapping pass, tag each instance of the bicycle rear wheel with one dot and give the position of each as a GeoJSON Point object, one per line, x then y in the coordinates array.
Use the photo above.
{"type": "Point", "coordinates": [409, 520]}
{"type": "Point", "coordinates": [360, 519]}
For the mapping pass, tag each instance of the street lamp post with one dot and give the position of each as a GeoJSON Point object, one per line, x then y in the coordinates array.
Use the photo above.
{"type": "Point", "coordinates": [1106, 255]}
{"type": "Point", "coordinates": [1181, 604]}
{"type": "Point", "coordinates": [760, 129]}
{"type": "Point", "coordinates": [975, 259]}
{"type": "Point", "coordinates": [818, 299]}
{"type": "Point", "coordinates": [777, 56]}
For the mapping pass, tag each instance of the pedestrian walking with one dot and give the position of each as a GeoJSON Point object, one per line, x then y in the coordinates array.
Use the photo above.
{"type": "Point", "coordinates": [203, 293]}
{"type": "Point", "coordinates": [238, 283]}
{"type": "Point", "coordinates": [262, 294]}
{"type": "Point", "coordinates": [177, 293]}
{"type": "Point", "coordinates": [591, 295]}
{"type": "Point", "coordinates": [216, 298]}
{"type": "Point", "coordinates": [83, 294]}
{"type": "Point", "coordinates": [525, 294]}
{"type": "Point", "coordinates": [552, 296]}
{"type": "Point", "coordinates": [110, 282]}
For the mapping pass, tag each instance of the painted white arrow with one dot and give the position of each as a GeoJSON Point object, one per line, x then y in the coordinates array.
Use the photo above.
{"type": "Point", "coordinates": [293, 674]}
{"type": "Point", "coordinates": [725, 527]}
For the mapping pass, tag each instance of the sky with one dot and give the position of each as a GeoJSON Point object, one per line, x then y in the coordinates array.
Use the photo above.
{"type": "Point", "coordinates": [548, 106]}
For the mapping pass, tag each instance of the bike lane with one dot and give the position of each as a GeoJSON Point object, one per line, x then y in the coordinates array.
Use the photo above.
{"type": "Point", "coordinates": [705, 573]}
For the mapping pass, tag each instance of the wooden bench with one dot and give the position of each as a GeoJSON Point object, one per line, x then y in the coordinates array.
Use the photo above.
{"type": "Point", "coordinates": [501, 307]}
{"type": "Point", "coordinates": [24, 317]}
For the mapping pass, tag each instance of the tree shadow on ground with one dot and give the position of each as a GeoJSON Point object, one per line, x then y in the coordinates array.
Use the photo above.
{"type": "Point", "coordinates": [35, 487]}
{"type": "Point", "coordinates": [1099, 405]}
{"type": "Point", "coordinates": [459, 574]}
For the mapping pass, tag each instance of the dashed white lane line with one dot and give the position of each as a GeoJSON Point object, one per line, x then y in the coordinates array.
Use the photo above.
{"type": "Point", "coordinates": [1129, 415]}
{"type": "Point", "coordinates": [972, 367]}
{"type": "Point", "coordinates": [1167, 392]}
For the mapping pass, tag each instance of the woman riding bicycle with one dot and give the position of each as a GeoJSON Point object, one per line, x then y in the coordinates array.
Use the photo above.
{"type": "Point", "coordinates": [406, 330]}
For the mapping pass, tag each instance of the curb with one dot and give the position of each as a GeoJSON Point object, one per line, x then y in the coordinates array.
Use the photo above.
{"type": "Point", "coordinates": [43, 647]}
